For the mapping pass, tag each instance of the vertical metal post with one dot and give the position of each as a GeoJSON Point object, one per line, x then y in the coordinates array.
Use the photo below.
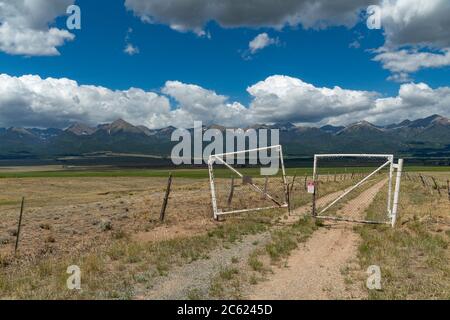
{"type": "Point", "coordinates": [397, 191]}
{"type": "Point", "coordinates": [391, 173]}
{"type": "Point", "coordinates": [280, 150]}
{"type": "Point", "coordinates": [315, 186]}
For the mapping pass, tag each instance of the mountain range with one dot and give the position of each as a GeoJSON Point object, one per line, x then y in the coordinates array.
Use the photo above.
{"type": "Point", "coordinates": [427, 137]}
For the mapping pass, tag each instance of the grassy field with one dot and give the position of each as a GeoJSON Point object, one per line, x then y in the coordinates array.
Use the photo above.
{"type": "Point", "coordinates": [414, 256]}
{"type": "Point", "coordinates": [179, 173]}
{"type": "Point", "coordinates": [110, 227]}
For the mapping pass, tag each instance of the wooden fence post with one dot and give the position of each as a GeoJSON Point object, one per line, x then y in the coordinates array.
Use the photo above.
{"type": "Point", "coordinates": [306, 180]}
{"type": "Point", "coordinates": [19, 225]}
{"type": "Point", "coordinates": [448, 189]}
{"type": "Point", "coordinates": [289, 193]}
{"type": "Point", "coordinates": [230, 195]}
{"type": "Point", "coordinates": [166, 199]}
{"type": "Point", "coordinates": [436, 185]}
{"type": "Point", "coordinates": [266, 181]}
{"type": "Point", "coordinates": [423, 181]}
{"type": "Point", "coordinates": [293, 181]}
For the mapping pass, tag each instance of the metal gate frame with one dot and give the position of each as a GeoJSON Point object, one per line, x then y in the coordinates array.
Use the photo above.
{"type": "Point", "coordinates": [219, 157]}
{"type": "Point", "coordinates": [392, 205]}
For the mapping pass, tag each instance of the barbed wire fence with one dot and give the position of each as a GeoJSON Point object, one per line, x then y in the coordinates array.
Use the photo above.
{"type": "Point", "coordinates": [434, 184]}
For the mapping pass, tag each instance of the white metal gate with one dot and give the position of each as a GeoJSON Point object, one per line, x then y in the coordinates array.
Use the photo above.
{"type": "Point", "coordinates": [221, 159]}
{"type": "Point", "coordinates": [392, 195]}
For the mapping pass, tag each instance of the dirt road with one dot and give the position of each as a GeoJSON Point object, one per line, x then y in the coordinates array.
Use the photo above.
{"type": "Point", "coordinates": [197, 275]}
{"type": "Point", "coordinates": [314, 270]}
{"type": "Point", "coordinates": [313, 273]}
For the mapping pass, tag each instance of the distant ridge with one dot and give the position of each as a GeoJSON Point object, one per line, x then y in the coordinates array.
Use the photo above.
{"type": "Point", "coordinates": [427, 137]}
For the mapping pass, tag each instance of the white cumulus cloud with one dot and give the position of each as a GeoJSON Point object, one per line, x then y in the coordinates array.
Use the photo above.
{"type": "Point", "coordinates": [282, 98]}
{"type": "Point", "coordinates": [31, 101]}
{"type": "Point", "coordinates": [417, 34]}
{"type": "Point", "coordinates": [198, 104]}
{"type": "Point", "coordinates": [130, 49]}
{"type": "Point", "coordinates": [408, 61]}
{"type": "Point", "coordinates": [24, 27]}
{"type": "Point", "coordinates": [260, 42]}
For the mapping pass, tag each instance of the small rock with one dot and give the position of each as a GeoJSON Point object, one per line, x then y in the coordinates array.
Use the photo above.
{"type": "Point", "coordinates": [50, 239]}
{"type": "Point", "coordinates": [12, 232]}
{"type": "Point", "coordinates": [122, 216]}
{"type": "Point", "coordinates": [106, 225]}
{"type": "Point", "coordinates": [4, 240]}
{"type": "Point", "coordinates": [45, 226]}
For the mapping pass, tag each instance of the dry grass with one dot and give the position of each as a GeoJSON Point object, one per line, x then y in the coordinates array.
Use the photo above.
{"type": "Point", "coordinates": [110, 228]}
{"type": "Point", "coordinates": [413, 256]}
{"type": "Point", "coordinates": [79, 213]}
{"type": "Point", "coordinates": [134, 249]}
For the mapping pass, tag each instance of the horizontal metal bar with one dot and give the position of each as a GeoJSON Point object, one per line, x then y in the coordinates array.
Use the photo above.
{"type": "Point", "coordinates": [354, 155]}
{"type": "Point", "coordinates": [351, 220]}
{"type": "Point", "coordinates": [249, 210]}
{"type": "Point", "coordinates": [230, 167]}
{"type": "Point", "coordinates": [245, 151]}
{"type": "Point", "coordinates": [355, 186]}
{"type": "Point", "coordinates": [254, 186]}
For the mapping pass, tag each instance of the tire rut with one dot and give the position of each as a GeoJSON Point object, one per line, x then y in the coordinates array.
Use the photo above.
{"type": "Point", "coordinates": [314, 270]}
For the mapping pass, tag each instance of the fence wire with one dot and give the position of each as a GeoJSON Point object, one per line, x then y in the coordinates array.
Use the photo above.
{"type": "Point", "coordinates": [353, 189]}
{"type": "Point", "coordinates": [253, 191]}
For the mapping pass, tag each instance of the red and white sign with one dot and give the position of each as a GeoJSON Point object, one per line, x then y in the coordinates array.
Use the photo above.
{"type": "Point", "coordinates": [310, 187]}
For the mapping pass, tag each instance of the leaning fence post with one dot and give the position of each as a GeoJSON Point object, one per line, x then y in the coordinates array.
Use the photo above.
{"type": "Point", "coordinates": [423, 181]}
{"type": "Point", "coordinates": [293, 180]}
{"type": "Point", "coordinates": [448, 189]}
{"type": "Point", "coordinates": [19, 225]}
{"type": "Point", "coordinates": [266, 181]}
{"type": "Point", "coordinates": [436, 185]}
{"type": "Point", "coordinates": [289, 194]}
{"type": "Point", "coordinates": [230, 195]}
{"type": "Point", "coordinates": [166, 199]}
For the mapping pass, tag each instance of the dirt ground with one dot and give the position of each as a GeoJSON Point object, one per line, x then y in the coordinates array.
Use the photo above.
{"type": "Point", "coordinates": [63, 215]}
{"type": "Point", "coordinates": [74, 215]}
{"type": "Point", "coordinates": [314, 270]}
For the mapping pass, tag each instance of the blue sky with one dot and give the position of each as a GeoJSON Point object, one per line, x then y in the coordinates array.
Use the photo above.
{"type": "Point", "coordinates": [219, 62]}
